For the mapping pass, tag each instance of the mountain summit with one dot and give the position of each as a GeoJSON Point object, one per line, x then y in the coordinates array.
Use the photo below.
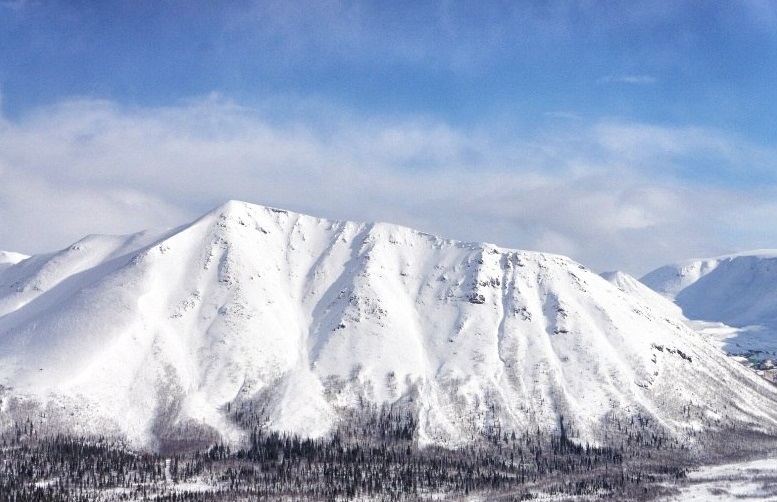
{"type": "Point", "coordinates": [297, 319]}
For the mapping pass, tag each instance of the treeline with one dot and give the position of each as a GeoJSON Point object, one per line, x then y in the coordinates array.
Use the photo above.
{"type": "Point", "coordinates": [372, 454]}
{"type": "Point", "coordinates": [68, 468]}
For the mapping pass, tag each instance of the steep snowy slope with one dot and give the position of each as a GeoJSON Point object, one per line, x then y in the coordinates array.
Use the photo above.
{"type": "Point", "coordinates": [632, 286]}
{"type": "Point", "coordinates": [299, 318]}
{"type": "Point", "coordinates": [737, 290]}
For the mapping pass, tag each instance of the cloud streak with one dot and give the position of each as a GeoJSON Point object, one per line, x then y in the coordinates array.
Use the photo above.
{"type": "Point", "coordinates": [611, 194]}
{"type": "Point", "coordinates": [628, 79]}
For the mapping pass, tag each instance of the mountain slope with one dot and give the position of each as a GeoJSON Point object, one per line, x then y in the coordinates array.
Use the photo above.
{"type": "Point", "coordinates": [737, 290]}
{"type": "Point", "coordinates": [297, 318]}
{"type": "Point", "coordinates": [634, 287]}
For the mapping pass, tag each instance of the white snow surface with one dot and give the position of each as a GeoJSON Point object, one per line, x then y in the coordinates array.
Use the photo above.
{"type": "Point", "coordinates": [302, 318]}
{"type": "Point", "coordinates": [632, 286]}
{"type": "Point", "coordinates": [754, 480]}
{"type": "Point", "coordinates": [737, 290]}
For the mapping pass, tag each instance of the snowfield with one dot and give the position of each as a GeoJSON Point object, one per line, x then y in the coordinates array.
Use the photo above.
{"type": "Point", "coordinates": [164, 334]}
{"type": "Point", "coordinates": [754, 480]}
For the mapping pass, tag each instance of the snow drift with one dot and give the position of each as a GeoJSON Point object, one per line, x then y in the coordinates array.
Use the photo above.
{"type": "Point", "coordinates": [301, 318]}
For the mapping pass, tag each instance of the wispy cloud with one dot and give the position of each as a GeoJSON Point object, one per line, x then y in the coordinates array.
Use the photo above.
{"type": "Point", "coordinates": [563, 115]}
{"type": "Point", "coordinates": [13, 4]}
{"type": "Point", "coordinates": [697, 154]}
{"type": "Point", "coordinates": [627, 79]}
{"type": "Point", "coordinates": [608, 194]}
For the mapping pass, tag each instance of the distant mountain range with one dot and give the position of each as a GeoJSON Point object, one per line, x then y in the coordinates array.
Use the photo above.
{"type": "Point", "coordinates": [737, 290]}
{"type": "Point", "coordinates": [297, 319]}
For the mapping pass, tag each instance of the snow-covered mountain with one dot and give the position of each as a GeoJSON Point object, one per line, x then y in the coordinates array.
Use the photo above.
{"type": "Point", "coordinates": [737, 290]}
{"type": "Point", "coordinates": [299, 318]}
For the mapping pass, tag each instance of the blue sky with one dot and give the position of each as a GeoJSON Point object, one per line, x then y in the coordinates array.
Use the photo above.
{"type": "Point", "coordinates": [625, 134]}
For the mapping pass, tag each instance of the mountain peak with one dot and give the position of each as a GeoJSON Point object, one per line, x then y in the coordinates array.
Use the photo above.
{"type": "Point", "coordinates": [236, 208]}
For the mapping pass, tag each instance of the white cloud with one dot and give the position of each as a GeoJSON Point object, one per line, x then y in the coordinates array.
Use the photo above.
{"type": "Point", "coordinates": [563, 115]}
{"type": "Point", "coordinates": [599, 195]}
{"type": "Point", "coordinates": [627, 79]}
{"type": "Point", "coordinates": [688, 151]}
{"type": "Point", "coordinates": [13, 4]}
{"type": "Point", "coordinates": [762, 14]}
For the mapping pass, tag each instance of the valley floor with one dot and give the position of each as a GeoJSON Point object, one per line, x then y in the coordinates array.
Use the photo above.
{"type": "Point", "coordinates": [374, 456]}
{"type": "Point", "coordinates": [752, 480]}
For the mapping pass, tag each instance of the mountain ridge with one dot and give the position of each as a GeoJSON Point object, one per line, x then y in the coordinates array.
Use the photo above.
{"type": "Point", "coordinates": [299, 318]}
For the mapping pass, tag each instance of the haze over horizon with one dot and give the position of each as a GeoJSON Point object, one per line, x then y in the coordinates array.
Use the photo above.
{"type": "Point", "coordinates": [625, 136]}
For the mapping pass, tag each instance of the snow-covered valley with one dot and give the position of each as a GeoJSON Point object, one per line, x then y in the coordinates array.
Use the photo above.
{"type": "Point", "coordinates": [754, 480]}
